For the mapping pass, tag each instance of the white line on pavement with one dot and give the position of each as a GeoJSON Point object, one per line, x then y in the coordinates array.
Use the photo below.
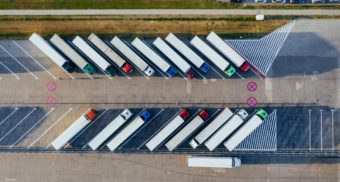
{"type": "Point", "coordinates": [17, 124]}
{"type": "Point", "coordinates": [321, 129]}
{"type": "Point", "coordinates": [310, 129]}
{"type": "Point", "coordinates": [15, 75]}
{"type": "Point", "coordinates": [223, 78]}
{"type": "Point", "coordinates": [238, 74]}
{"type": "Point", "coordinates": [9, 115]}
{"type": "Point", "coordinates": [19, 62]}
{"type": "Point", "coordinates": [140, 129]}
{"type": "Point", "coordinates": [48, 129]}
{"type": "Point", "coordinates": [91, 123]}
{"type": "Point", "coordinates": [35, 124]}
{"type": "Point", "coordinates": [34, 60]}
{"type": "Point", "coordinates": [333, 129]}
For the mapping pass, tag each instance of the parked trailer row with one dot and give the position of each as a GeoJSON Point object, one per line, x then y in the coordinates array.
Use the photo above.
{"type": "Point", "coordinates": [109, 51]}
{"type": "Point", "coordinates": [225, 127]}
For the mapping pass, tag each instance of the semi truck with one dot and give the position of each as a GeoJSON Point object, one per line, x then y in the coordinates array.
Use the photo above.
{"type": "Point", "coordinates": [174, 57]}
{"type": "Point", "coordinates": [185, 132]}
{"type": "Point", "coordinates": [246, 130]}
{"type": "Point", "coordinates": [213, 162]}
{"type": "Point", "coordinates": [128, 130]}
{"type": "Point", "coordinates": [94, 56]}
{"type": "Point", "coordinates": [110, 53]}
{"type": "Point", "coordinates": [228, 51]}
{"type": "Point", "coordinates": [69, 52]}
{"type": "Point", "coordinates": [110, 129]}
{"type": "Point", "coordinates": [187, 52]}
{"type": "Point", "coordinates": [213, 56]}
{"type": "Point", "coordinates": [132, 56]}
{"type": "Point", "coordinates": [166, 131]}
{"type": "Point", "coordinates": [153, 57]}
{"type": "Point", "coordinates": [48, 50]}
{"type": "Point", "coordinates": [212, 127]}
{"type": "Point", "coordinates": [73, 129]}
{"type": "Point", "coordinates": [227, 129]}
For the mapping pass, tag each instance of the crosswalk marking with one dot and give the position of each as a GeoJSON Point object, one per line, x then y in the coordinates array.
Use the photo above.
{"type": "Point", "coordinates": [261, 53]}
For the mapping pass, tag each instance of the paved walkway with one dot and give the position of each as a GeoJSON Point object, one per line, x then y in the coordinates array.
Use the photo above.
{"type": "Point", "coordinates": [169, 11]}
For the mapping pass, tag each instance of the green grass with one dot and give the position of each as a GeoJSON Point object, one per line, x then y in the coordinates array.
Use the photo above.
{"type": "Point", "coordinates": [144, 4]}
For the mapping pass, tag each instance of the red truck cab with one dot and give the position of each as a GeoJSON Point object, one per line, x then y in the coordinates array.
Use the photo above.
{"type": "Point", "coordinates": [204, 114]}
{"type": "Point", "coordinates": [184, 114]}
{"type": "Point", "coordinates": [90, 114]}
{"type": "Point", "coordinates": [127, 68]}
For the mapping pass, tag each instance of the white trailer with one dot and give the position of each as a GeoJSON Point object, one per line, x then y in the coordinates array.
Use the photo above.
{"type": "Point", "coordinates": [174, 57]}
{"type": "Point", "coordinates": [153, 57]}
{"type": "Point", "coordinates": [128, 130]}
{"type": "Point", "coordinates": [211, 128]}
{"type": "Point", "coordinates": [228, 51]}
{"type": "Point", "coordinates": [48, 50]}
{"type": "Point", "coordinates": [110, 53]}
{"type": "Point", "coordinates": [225, 131]}
{"type": "Point", "coordinates": [241, 134]}
{"type": "Point", "coordinates": [93, 55]}
{"type": "Point", "coordinates": [213, 162]}
{"type": "Point", "coordinates": [73, 129]}
{"type": "Point", "coordinates": [165, 132]}
{"type": "Point", "coordinates": [68, 51]}
{"type": "Point", "coordinates": [187, 52]}
{"type": "Point", "coordinates": [184, 133]}
{"type": "Point", "coordinates": [213, 56]}
{"type": "Point", "coordinates": [132, 56]}
{"type": "Point", "coordinates": [110, 129]}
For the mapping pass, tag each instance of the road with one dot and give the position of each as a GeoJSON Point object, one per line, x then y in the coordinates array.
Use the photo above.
{"type": "Point", "coordinates": [169, 12]}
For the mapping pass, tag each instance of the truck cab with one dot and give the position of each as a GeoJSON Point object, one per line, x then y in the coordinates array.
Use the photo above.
{"type": "Point", "coordinates": [205, 67]}
{"type": "Point", "coordinates": [111, 70]}
{"type": "Point", "coordinates": [89, 69]}
{"type": "Point", "coordinates": [90, 114]}
{"type": "Point", "coordinates": [190, 74]}
{"type": "Point", "coordinates": [127, 68]}
{"type": "Point", "coordinates": [204, 114]}
{"type": "Point", "coordinates": [149, 71]}
{"type": "Point", "coordinates": [171, 72]}
{"type": "Point", "coordinates": [69, 67]}
{"type": "Point", "coordinates": [184, 114]}
{"type": "Point", "coordinates": [230, 71]}
{"type": "Point", "coordinates": [145, 115]}
{"type": "Point", "coordinates": [126, 114]}
{"type": "Point", "coordinates": [245, 67]}
{"type": "Point", "coordinates": [243, 114]}
{"type": "Point", "coordinates": [262, 114]}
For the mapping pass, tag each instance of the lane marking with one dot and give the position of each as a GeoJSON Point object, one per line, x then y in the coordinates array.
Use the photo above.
{"type": "Point", "coordinates": [17, 124]}
{"type": "Point", "coordinates": [135, 133]}
{"type": "Point", "coordinates": [310, 128]}
{"type": "Point", "coordinates": [238, 74]}
{"type": "Point", "coordinates": [222, 77]}
{"type": "Point", "coordinates": [256, 73]}
{"type": "Point", "coordinates": [9, 116]}
{"type": "Point", "coordinates": [19, 62]}
{"type": "Point", "coordinates": [35, 124]}
{"type": "Point", "coordinates": [333, 129]}
{"type": "Point", "coordinates": [29, 55]}
{"type": "Point", "coordinates": [48, 129]}
{"type": "Point", "coordinates": [321, 129]}
{"type": "Point", "coordinates": [15, 75]}
{"type": "Point", "coordinates": [91, 123]}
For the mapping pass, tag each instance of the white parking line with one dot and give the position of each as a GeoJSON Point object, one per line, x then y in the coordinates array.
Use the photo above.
{"type": "Point", "coordinates": [23, 50]}
{"type": "Point", "coordinates": [321, 129]}
{"type": "Point", "coordinates": [256, 73]}
{"type": "Point", "coordinates": [332, 129]}
{"type": "Point", "coordinates": [49, 128]}
{"type": "Point", "coordinates": [35, 124]}
{"type": "Point", "coordinates": [19, 62]}
{"type": "Point", "coordinates": [238, 74]}
{"type": "Point", "coordinates": [15, 75]}
{"type": "Point", "coordinates": [91, 123]}
{"type": "Point", "coordinates": [310, 129]}
{"type": "Point", "coordinates": [197, 72]}
{"type": "Point", "coordinates": [141, 128]}
{"type": "Point", "coordinates": [159, 129]}
{"type": "Point", "coordinates": [9, 116]}
{"type": "Point", "coordinates": [17, 124]}
{"type": "Point", "coordinates": [223, 78]}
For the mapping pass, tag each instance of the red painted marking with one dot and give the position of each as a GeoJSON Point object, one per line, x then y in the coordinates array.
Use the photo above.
{"type": "Point", "coordinates": [252, 86]}
{"type": "Point", "coordinates": [251, 102]}
{"type": "Point", "coordinates": [51, 86]}
{"type": "Point", "coordinates": [51, 101]}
